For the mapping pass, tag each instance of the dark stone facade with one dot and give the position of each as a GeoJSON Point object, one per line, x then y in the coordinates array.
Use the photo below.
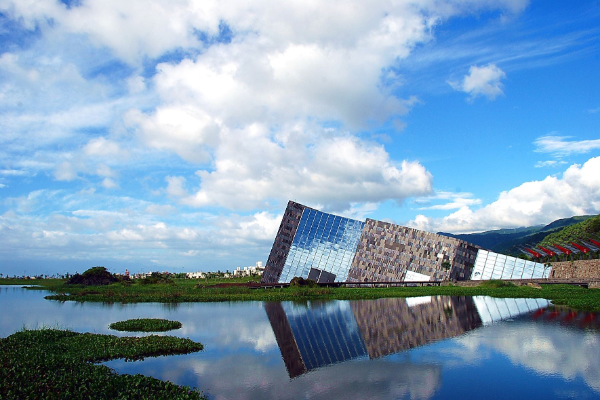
{"type": "Point", "coordinates": [283, 242]}
{"type": "Point", "coordinates": [386, 251]}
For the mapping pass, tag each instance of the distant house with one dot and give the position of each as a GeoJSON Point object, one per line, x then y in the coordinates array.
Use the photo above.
{"type": "Point", "coordinates": [249, 271]}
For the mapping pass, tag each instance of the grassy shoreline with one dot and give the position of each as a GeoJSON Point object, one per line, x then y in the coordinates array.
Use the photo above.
{"type": "Point", "coordinates": [187, 290]}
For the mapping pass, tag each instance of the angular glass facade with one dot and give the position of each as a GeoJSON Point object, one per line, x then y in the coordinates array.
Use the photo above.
{"type": "Point", "coordinates": [490, 265]}
{"type": "Point", "coordinates": [323, 242]}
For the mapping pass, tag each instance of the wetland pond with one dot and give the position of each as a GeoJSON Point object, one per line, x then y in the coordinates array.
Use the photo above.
{"type": "Point", "coordinates": [434, 347]}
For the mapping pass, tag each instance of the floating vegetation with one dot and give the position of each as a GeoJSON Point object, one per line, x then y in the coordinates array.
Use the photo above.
{"type": "Point", "coordinates": [145, 325]}
{"type": "Point", "coordinates": [59, 364]}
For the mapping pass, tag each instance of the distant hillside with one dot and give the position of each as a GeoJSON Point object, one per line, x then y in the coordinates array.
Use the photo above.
{"type": "Point", "coordinates": [508, 241]}
{"type": "Point", "coordinates": [582, 230]}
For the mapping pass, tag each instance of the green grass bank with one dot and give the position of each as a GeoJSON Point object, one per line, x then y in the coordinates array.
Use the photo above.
{"type": "Point", "coordinates": [190, 290]}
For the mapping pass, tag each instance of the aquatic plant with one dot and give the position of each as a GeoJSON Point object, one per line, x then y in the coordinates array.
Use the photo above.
{"type": "Point", "coordinates": [59, 364]}
{"type": "Point", "coordinates": [145, 325]}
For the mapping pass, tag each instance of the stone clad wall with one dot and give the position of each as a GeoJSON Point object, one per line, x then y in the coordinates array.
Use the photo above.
{"type": "Point", "coordinates": [387, 251]}
{"type": "Point", "coordinates": [585, 269]}
{"type": "Point", "coordinates": [283, 242]}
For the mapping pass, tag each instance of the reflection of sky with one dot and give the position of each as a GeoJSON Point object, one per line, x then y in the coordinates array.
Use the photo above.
{"type": "Point", "coordinates": [207, 322]}
{"type": "Point", "coordinates": [241, 360]}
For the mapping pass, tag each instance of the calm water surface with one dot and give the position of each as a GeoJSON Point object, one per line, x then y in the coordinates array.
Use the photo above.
{"type": "Point", "coordinates": [420, 348]}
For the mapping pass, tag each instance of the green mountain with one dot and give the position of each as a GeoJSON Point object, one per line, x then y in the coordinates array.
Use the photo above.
{"type": "Point", "coordinates": [508, 241]}
{"type": "Point", "coordinates": [573, 233]}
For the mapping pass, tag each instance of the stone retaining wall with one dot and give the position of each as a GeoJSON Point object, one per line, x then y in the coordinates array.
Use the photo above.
{"type": "Point", "coordinates": [584, 269]}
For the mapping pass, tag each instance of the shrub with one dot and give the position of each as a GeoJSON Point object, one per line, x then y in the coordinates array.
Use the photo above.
{"type": "Point", "coordinates": [156, 278]}
{"type": "Point", "coordinates": [496, 283]}
{"type": "Point", "coordinates": [299, 281]}
{"type": "Point", "coordinates": [95, 276]}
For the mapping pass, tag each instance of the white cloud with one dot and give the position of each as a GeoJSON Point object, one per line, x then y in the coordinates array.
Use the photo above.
{"type": "Point", "coordinates": [102, 148]}
{"type": "Point", "coordinates": [92, 160]}
{"type": "Point", "coordinates": [454, 201]}
{"type": "Point", "coordinates": [12, 172]}
{"type": "Point", "coordinates": [65, 171]}
{"type": "Point", "coordinates": [249, 112]}
{"type": "Point", "coordinates": [287, 64]}
{"type": "Point", "coordinates": [160, 209]}
{"type": "Point", "coordinates": [549, 163]}
{"type": "Point", "coordinates": [175, 186]}
{"type": "Point", "coordinates": [544, 349]}
{"type": "Point", "coordinates": [109, 183]}
{"type": "Point", "coordinates": [187, 131]}
{"type": "Point", "coordinates": [312, 168]}
{"type": "Point", "coordinates": [577, 192]}
{"type": "Point", "coordinates": [131, 232]}
{"type": "Point", "coordinates": [560, 146]}
{"type": "Point", "coordinates": [481, 81]}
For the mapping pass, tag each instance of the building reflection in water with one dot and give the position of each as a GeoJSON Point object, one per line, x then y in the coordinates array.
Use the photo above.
{"type": "Point", "coordinates": [318, 334]}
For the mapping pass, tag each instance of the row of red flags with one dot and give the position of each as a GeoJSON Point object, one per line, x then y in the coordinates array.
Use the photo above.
{"type": "Point", "coordinates": [590, 245]}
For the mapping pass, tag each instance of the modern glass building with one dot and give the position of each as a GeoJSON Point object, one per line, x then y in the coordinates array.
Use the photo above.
{"type": "Point", "coordinates": [328, 248]}
{"type": "Point", "coordinates": [490, 265]}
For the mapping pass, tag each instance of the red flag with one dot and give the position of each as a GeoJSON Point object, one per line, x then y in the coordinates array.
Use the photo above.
{"type": "Point", "coordinates": [566, 251]}
{"type": "Point", "coordinates": [547, 251]}
{"type": "Point", "coordinates": [532, 252]}
{"type": "Point", "coordinates": [581, 248]}
{"type": "Point", "coordinates": [595, 242]}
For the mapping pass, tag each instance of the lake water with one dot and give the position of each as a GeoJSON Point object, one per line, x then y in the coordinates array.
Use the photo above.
{"type": "Point", "coordinates": [420, 348]}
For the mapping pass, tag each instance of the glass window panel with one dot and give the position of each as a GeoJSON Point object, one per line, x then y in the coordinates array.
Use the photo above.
{"type": "Point", "coordinates": [507, 272]}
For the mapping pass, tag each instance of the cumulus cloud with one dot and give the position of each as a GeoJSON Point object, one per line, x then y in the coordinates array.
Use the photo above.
{"type": "Point", "coordinates": [94, 159]}
{"type": "Point", "coordinates": [243, 68]}
{"type": "Point", "coordinates": [334, 171]}
{"type": "Point", "coordinates": [577, 192]}
{"type": "Point", "coordinates": [481, 81]}
{"type": "Point", "coordinates": [259, 102]}
{"type": "Point", "coordinates": [560, 145]}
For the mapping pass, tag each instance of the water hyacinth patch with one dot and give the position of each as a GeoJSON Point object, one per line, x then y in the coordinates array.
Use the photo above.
{"type": "Point", "coordinates": [59, 364]}
{"type": "Point", "coordinates": [145, 325]}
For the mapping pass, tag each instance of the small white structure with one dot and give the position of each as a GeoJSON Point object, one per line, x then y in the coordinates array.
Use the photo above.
{"type": "Point", "coordinates": [195, 275]}
{"type": "Point", "coordinates": [257, 269]}
{"type": "Point", "coordinates": [412, 276]}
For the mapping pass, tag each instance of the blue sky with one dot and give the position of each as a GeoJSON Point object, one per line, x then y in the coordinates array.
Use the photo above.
{"type": "Point", "coordinates": [169, 135]}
